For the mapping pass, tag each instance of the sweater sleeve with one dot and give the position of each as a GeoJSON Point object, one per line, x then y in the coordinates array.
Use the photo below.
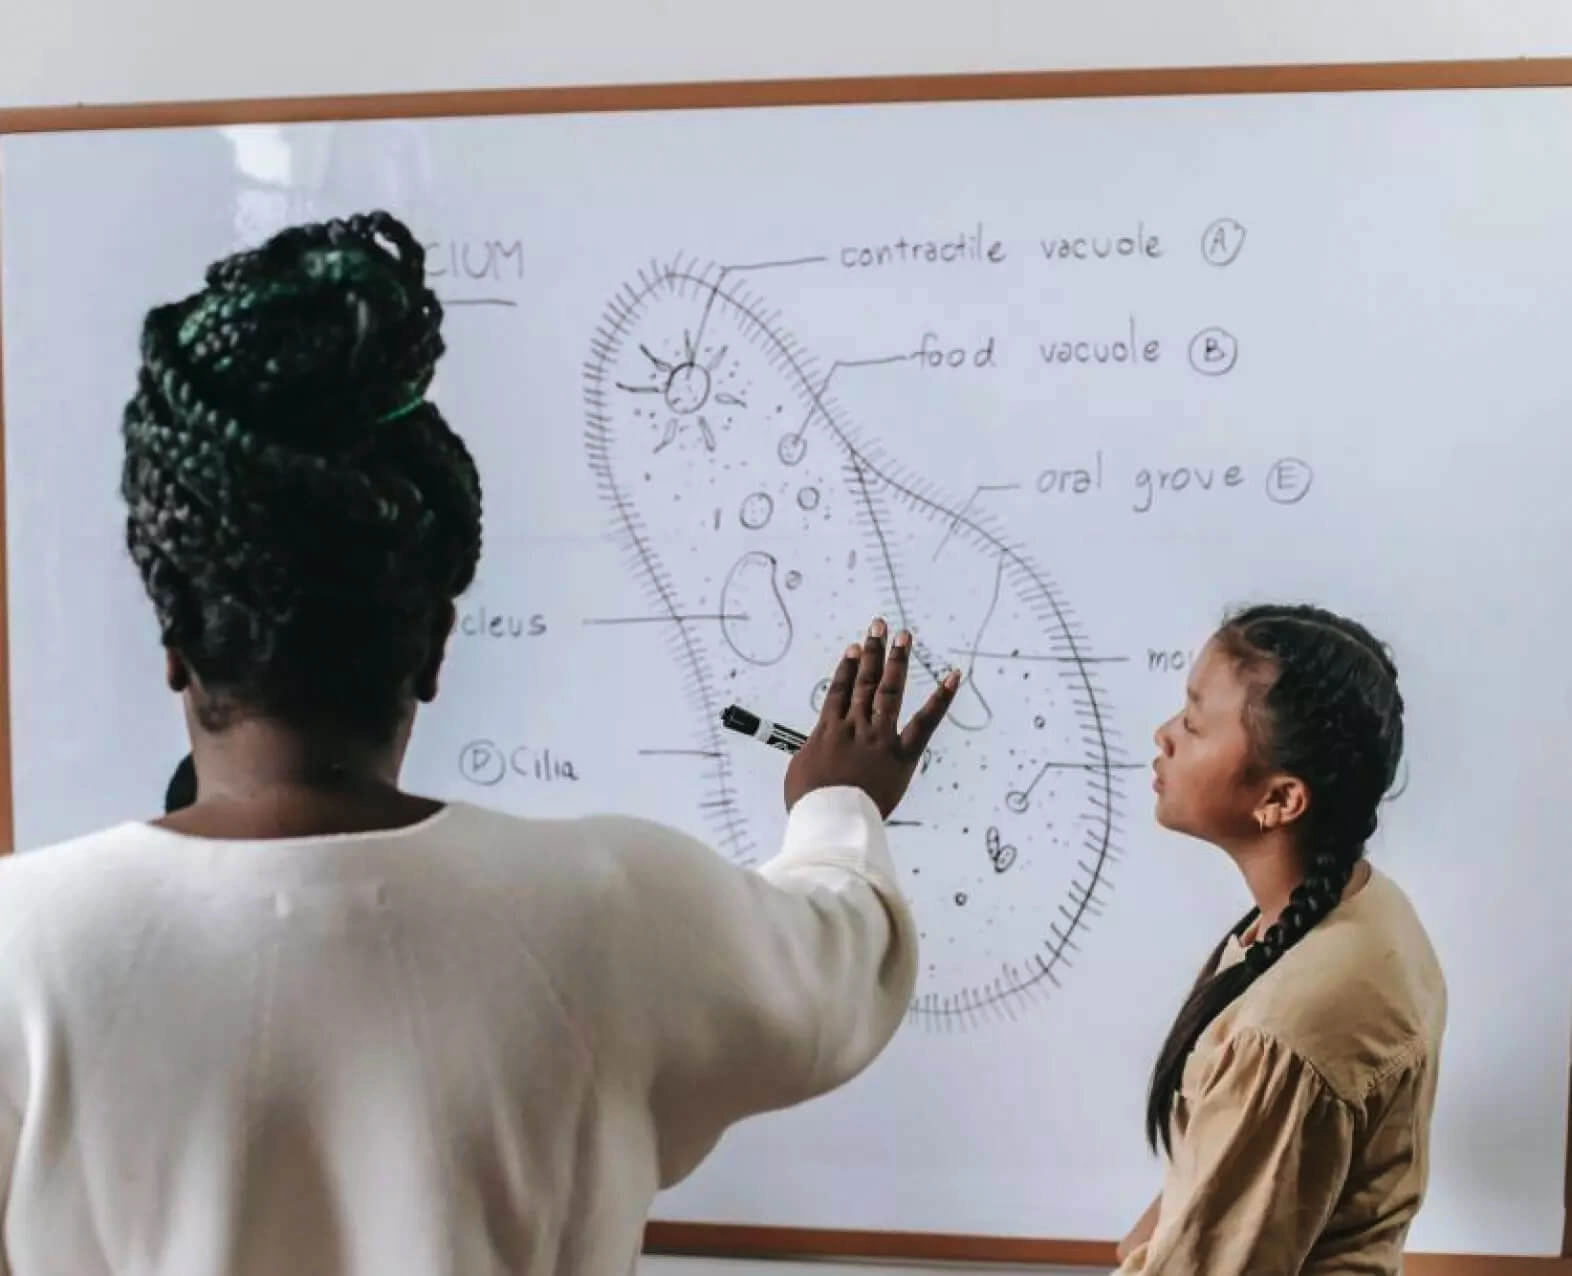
{"type": "Point", "coordinates": [756, 990]}
{"type": "Point", "coordinates": [1257, 1171]}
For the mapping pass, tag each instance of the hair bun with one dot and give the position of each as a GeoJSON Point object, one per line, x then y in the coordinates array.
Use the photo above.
{"type": "Point", "coordinates": [315, 340]}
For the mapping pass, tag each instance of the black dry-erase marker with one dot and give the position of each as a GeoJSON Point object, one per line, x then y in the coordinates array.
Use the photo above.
{"type": "Point", "coordinates": [750, 724]}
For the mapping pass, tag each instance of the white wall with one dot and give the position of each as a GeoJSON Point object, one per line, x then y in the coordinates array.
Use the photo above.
{"type": "Point", "coordinates": [66, 51]}
{"type": "Point", "coordinates": [69, 51]}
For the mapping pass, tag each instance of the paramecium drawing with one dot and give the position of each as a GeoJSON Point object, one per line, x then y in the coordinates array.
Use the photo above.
{"type": "Point", "coordinates": [763, 522]}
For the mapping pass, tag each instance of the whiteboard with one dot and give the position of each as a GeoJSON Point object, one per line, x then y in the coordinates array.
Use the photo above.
{"type": "Point", "coordinates": [1053, 382]}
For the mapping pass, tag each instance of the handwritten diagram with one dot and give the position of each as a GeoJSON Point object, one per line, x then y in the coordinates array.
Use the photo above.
{"type": "Point", "coordinates": [763, 523]}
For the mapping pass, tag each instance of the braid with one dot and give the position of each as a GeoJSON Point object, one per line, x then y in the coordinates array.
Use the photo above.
{"type": "Point", "coordinates": [299, 512]}
{"type": "Point", "coordinates": [1326, 709]}
{"type": "Point", "coordinates": [1311, 900]}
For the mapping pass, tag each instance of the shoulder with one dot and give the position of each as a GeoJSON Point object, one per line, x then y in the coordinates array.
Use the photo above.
{"type": "Point", "coordinates": [114, 842]}
{"type": "Point", "coordinates": [1361, 998]}
{"type": "Point", "coordinates": [55, 881]}
{"type": "Point", "coordinates": [1243, 1067]}
{"type": "Point", "coordinates": [72, 917]}
{"type": "Point", "coordinates": [88, 903]}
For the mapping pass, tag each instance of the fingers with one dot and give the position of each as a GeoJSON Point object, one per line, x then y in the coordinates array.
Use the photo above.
{"type": "Point", "coordinates": [892, 686]}
{"type": "Point", "coordinates": [870, 670]}
{"type": "Point", "coordinates": [837, 700]}
{"type": "Point", "coordinates": [927, 719]}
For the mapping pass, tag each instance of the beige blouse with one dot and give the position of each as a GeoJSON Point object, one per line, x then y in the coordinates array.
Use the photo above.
{"type": "Point", "coordinates": [1301, 1130]}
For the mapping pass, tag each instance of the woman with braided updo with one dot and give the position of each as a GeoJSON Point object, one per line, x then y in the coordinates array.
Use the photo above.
{"type": "Point", "coordinates": [1294, 1092]}
{"type": "Point", "coordinates": [307, 1022]}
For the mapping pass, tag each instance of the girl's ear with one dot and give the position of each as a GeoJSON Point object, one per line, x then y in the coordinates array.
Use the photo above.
{"type": "Point", "coordinates": [176, 673]}
{"type": "Point", "coordinates": [1284, 803]}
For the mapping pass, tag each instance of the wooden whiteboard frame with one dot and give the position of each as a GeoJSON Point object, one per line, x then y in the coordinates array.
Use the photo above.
{"type": "Point", "coordinates": [740, 1241]}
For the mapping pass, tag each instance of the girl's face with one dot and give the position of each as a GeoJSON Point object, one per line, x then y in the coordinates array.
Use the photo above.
{"type": "Point", "coordinates": [1207, 785]}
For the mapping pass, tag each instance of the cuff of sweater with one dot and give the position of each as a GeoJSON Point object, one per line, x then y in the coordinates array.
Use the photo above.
{"type": "Point", "coordinates": [837, 827]}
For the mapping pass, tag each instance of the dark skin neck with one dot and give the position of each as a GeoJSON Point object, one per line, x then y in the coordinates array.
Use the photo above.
{"type": "Point", "coordinates": [261, 779]}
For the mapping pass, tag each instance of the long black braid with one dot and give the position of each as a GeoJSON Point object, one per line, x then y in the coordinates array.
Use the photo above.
{"type": "Point", "coordinates": [301, 515]}
{"type": "Point", "coordinates": [1324, 707]}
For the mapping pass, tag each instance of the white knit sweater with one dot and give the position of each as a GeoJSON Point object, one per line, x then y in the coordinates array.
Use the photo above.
{"type": "Point", "coordinates": [476, 1045]}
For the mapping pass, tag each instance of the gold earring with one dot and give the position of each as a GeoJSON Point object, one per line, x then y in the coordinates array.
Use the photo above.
{"type": "Point", "coordinates": [1260, 820]}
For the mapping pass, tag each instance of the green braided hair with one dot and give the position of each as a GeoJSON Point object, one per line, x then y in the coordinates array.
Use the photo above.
{"type": "Point", "coordinates": [301, 515]}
